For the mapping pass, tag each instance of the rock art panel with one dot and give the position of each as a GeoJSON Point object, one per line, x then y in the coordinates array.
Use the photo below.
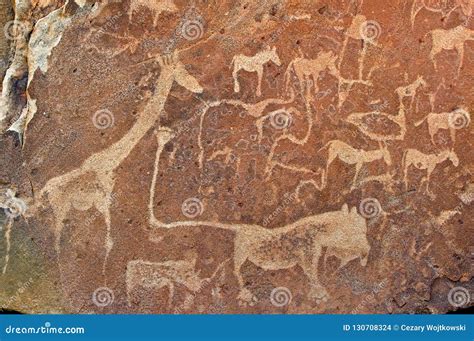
{"type": "Point", "coordinates": [220, 157]}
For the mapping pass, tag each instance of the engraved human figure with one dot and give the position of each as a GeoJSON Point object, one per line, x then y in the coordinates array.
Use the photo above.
{"type": "Point", "coordinates": [253, 64]}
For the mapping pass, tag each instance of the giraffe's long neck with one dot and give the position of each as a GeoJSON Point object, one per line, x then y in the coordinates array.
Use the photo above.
{"type": "Point", "coordinates": [111, 157]}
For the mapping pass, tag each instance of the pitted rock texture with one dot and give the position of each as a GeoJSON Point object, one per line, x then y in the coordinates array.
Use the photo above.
{"type": "Point", "coordinates": [167, 156]}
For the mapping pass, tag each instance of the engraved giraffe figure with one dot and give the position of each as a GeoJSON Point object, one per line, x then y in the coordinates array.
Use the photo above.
{"type": "Point", "coordinates": [253, 64]}
{"type": "Point", "coordinates": [91, 184]}
{"type": "Point", "coordinates": [426, 161]}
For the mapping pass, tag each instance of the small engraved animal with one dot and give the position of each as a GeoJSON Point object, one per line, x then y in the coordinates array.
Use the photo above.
{"type": "Point", "coordinates": [157, 275]}
{"type": "Point", "coordinates": [413, 157]}
{"type": "Point", "coordinates": [445, 120]}
{"type": "Point", "coordinates": [454, 38]}
{"type": "Point", "coordinates": [353, 156]}
{"type": "Point", "coordinates": [307, 70]}
{"type": "Point", "coordinates": [157, 6]}
{"type": "Point", "coordinates": [410, 90]}
{"type": "Point", "coordinates": [370, 123]}
{"type": "Point", "coordinates": [253, 64]}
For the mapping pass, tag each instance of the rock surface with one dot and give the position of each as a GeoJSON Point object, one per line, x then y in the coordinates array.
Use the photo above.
{"type": "Point", "coordinates": [167, 156]}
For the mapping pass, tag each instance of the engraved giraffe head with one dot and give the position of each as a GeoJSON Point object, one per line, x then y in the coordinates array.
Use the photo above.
{"type": "Point", "coordinates": [171, 63]}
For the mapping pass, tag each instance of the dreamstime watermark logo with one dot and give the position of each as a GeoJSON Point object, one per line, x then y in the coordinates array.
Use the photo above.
{"type": "Point", "coordinates": [459, 119]}
{"type": "Point", "coordinates": [192, 207]}
{"type": "Point", "coordinates": [281, 119]}
{"type": "Point", "coordinates": [192, 29]}
{"type": "Point", "coordinates": [370, 30]}
{"type": "Point", "coordinates": [103, 119]}
{"type": "Point", "coordinates": [370, 208]}
{"type": "Point", "coordinates": [13, 207]}
{"type": "Point", "coordinates": [459, 296]}
{"type": "Point", "coordinates": [103, 297]}
{"type": "Point", "coordinates": [280, 296]}
{"type": "Point", "coordinates": [15, 29]}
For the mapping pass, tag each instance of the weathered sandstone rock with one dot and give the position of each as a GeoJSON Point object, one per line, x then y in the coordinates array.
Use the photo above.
{"type": "Point", "coordinates": [164, 156]}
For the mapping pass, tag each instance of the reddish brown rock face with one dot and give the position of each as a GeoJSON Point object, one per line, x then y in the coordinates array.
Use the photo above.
{"type": "Point", "coordinates": [225, 157]}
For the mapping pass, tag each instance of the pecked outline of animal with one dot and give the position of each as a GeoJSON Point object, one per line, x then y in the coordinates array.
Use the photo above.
{"type": "Point", "coordinates": [438, 121]}
{"type": "Point", "coordinates": [166, 274]}
{"type": "Point", "coordinates": [425, 161]}
{"type": "Point", "coordinates": [157, 6]}
{"type": "Point", "coordinates": [358, 119]}
{"type": "Point", "coordinates": [299, 243]}
{"type": "Point", "coordinates": [353, 156]}
{"type": "Point", "coordinates": [410, 89]}
{"type": "Point", "coordinates": [253, 64]}
{"type": "Point", "coordinates": [420, 4]}
{"type": "Point", "coordinates": [451, 39]}
{"type": "Point", "coordinates": [66, 192]}
{"type": "Point", "coordinates": [305, 68]}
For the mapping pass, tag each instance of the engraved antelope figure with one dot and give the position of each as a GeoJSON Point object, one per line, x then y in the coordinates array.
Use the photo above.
{"type": "Point", "coordinates": [91, 185]}
{"type": "Point", "coordinates": [353, 156]}
{"type": "Point", "coordinates": [445, 120]}
{"type": "Point", "coordinates": [410, 90]}
{"type": "Point", "coordinates": [454, 38]}
{"type": "Point", "coordinates": [253, 64]}
{"type": "Point", "coordinates": [422, 161]}
{"type": "Point", "coordinates": [307, 70]}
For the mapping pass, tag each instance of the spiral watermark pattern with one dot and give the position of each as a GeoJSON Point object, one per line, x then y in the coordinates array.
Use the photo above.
{"type": "Point", "coordinates": [370, 208]}
{"type": "Point", "coordinates": [459, 296]}
{"type": "Point", "coordinates": [103, 119]}
{"type": "Point", "coordinates": [15, 29]}
{"type": "Point", "coordinates": [192, 207]}
{"type": "Point", "coordinates": [370, 30]}
{"type": "Point", "coordinates": [281, 119]}
{"type": "Point", "coordinates": [103, 297]}
{"type": "Point", "coordinates": [280, 296]}
{"type": "Point", "coordinates": [459, 119]}
{"type": "Point", "coordinates": [192, 29]}
{"type": "Point", "coordinates": [14, 207]}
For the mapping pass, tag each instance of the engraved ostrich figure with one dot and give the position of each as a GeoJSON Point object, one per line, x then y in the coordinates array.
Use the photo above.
{"type": "Point", "coordinates": [91, 184]}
